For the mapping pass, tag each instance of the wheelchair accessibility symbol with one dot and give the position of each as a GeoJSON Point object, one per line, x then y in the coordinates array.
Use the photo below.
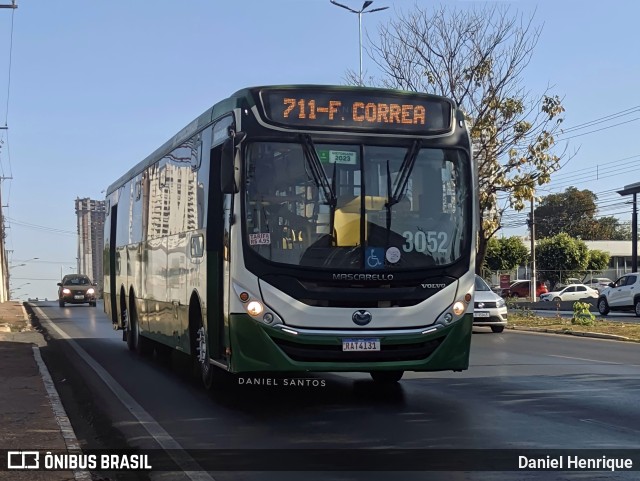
{"type": "Point", "coordinates": [374, 257]}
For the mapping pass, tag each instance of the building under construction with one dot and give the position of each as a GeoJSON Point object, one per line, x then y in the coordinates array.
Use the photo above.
{"type": "Point", "coordinates": [91, 216]}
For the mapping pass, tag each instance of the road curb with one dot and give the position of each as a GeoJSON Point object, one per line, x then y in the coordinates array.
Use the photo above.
{"type": "Point", "coordinates": [595, 335]}
{"type": "Point", "coordinates": [60, 414]}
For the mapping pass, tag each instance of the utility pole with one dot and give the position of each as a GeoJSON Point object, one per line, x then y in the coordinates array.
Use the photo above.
{"type": "Point", "coordinates": [633, 189]}
{"type": "Point", "coordinates": [4, 263]}
{"type": "Point", "coordinates": [532, 226]}
{"type": "Point", "coordinates": [365, 5]}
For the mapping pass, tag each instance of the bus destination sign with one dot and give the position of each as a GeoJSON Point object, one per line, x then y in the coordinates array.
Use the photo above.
{"type": "Point", "coordinates": [367, 110]}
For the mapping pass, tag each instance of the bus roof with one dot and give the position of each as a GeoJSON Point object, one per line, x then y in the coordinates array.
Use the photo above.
{"type": "Point", "coordinates": [249, 95]}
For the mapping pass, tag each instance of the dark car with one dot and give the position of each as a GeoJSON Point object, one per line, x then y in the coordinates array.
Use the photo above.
{"type": "Point", "coordinates": [76, 289]}
{"type": "Point", "coordinates": [523, 289]}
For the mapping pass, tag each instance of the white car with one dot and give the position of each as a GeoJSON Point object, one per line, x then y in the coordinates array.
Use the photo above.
{"type": "Point", "coordinates": [489, 309]}
{"type": "Point", "coordinates": [623, 295]}
{"type": "Point", "coordinates": [598, 283]}
{"type": "Point", "coordinates": [573, 292]}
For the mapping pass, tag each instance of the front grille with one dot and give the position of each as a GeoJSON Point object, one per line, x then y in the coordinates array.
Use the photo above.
{"type": "Point", "coordinates": [334, 353]}
{"type": "Point", "coordinates": [485, 305]}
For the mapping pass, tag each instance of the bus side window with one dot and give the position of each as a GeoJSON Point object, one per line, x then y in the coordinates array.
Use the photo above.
{"type": "Point", "coordinates": [196, 153]}
{"type": "Point", "coordinates": [197, 246]}
{"type": "Point", "coordinates": [163, 177]}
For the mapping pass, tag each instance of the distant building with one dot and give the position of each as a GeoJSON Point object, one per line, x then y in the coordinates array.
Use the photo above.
{"type": "Point", "coordinates": [91, 216]}
{"type": "Point", "coordinates": [620, 251]}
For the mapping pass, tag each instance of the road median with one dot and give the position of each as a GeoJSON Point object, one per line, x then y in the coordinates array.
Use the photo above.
{"type": "Point", "coordinates": [522, 318]}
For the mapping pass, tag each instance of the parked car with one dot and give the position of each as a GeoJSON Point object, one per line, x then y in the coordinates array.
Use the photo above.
{"type": "Point", "coordinates": [598, 283]}
{"type": "Point", "coordinates": [622, 295]}
{"type": "Point", "coordinates": [523, 289]}
{"type": "Point", "coordinates": [489, 309]}
{"type": "Point", "coordinates": [76, 289]}
{"type": "Point", "coordinates": [573, 292]}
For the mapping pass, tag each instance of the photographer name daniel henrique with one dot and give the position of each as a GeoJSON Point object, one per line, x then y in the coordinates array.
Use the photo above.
{"type": "Point", "coordinates": [602, 463]}
{"type": "Point", "coordinates": [286, 382]}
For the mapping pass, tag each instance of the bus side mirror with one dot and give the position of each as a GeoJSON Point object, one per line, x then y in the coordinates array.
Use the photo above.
{"type": "Point", "coordinates": [227, 168]}
{"type": "Point", "coordinates": [229, 175]}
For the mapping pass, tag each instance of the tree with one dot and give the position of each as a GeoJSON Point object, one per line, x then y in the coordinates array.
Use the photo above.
{"type": "Point", "coordinates": [477, 57]}
{"type": "Point", "coordinates": [610, 228]}
{"type": "Point", "coordinates": [598, 260]}
{"type": "Point", "coordinates": [506, 253]}
{"type": "Point", "coordinates": [574, 212]}
{"type": "Point", "coordinates": [561, 254]}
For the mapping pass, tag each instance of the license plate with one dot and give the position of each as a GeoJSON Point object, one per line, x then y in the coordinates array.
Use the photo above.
{"type": "Point", "coordinates": [354, 345]}
{"type": "Point", "coordinates": [78, 297]}
{"type": "Point", "coordinates": [481, 314]}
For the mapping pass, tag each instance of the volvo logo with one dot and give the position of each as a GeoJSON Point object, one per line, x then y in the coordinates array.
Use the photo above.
{"type": "Point", "coordinates": [361, 318]}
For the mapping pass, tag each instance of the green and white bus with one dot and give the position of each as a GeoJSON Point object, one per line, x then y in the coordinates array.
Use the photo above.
{"type": "Point", "coordinates": [301, 228]}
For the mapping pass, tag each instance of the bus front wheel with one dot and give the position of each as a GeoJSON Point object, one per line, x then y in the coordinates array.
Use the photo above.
{"type": "Point", "coordinates": [386, 377]}
{"type": "Point", "coordinates": [199, 348]}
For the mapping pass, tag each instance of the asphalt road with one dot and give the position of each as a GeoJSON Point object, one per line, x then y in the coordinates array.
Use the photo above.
{"type": "Point", "coordinates": [523, 391]}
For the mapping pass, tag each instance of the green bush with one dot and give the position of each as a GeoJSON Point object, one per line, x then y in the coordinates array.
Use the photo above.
{"type": "Point", "coordinates": [582, 314]}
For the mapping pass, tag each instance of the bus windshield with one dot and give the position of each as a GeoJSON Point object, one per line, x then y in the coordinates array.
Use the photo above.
{"type": "Point", "coordinates": [356, 206]}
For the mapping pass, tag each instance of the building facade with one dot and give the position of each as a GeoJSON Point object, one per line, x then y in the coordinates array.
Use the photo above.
{"type": "Point", "coordinates": [91, 215]}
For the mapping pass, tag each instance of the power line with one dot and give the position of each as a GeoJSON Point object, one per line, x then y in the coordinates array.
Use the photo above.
{"type": "Point", "coordinates": [51, 230]}
{"type": "Point", "coordinates": [600, 120]}
{"type": "Point", "coordinates": [572, 173]}
{"type": "Point", "coordinates": [597, 130]}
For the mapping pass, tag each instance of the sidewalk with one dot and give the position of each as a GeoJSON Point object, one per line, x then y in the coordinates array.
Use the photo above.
{"type": "Point", "coordinates": [27, 420]}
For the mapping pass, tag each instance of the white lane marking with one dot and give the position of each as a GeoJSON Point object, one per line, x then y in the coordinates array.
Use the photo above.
{"type": "Point", "coordinates": [162, 437]}
{"type": "Point", "coordinates": [60, 414]}
{"type": "Point", "coordinates": [589, 360]}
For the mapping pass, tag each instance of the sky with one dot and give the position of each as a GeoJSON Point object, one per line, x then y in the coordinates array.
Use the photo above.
{"type": "Point", "coordinates": [88, 89]}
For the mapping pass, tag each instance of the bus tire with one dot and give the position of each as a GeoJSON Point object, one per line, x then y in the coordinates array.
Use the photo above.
{"type": "Point", "coordinates": [199, 345]}
{"type": "Point", "coordinates": [135, 341]}
{"type": "Point", "coordinates": [386, 377]}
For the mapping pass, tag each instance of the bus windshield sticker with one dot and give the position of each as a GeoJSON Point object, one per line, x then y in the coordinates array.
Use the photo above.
{"type": "Point", "coordinates": [375, 257]}
{"type": "Point", "coordinates": [342, 157]}
{"type": "Point", "coordinates": [263, 239]}
{"type": "Point", "coordinates": [393, 255]}
{"type": "Point", "coordinates": [337, 157]}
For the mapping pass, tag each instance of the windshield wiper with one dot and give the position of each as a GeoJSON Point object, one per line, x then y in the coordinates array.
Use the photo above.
{"type": "Point", "coordinates": [320, 177]}
{"type": "Point", "coordinates": [396, 193]}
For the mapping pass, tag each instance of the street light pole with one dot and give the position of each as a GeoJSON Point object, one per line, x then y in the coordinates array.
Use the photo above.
{"type": "Point", "coordinates": [365, 5]}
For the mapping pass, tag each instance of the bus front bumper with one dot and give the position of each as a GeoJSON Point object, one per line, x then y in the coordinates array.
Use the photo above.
{"type": "Point", "coordinates": [258, 347]}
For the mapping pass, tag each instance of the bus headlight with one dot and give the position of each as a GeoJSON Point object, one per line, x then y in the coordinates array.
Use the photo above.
{"type": "Point", "coordinates": [255, 308]}
{"type": "Point", "coordinates": [458, 308]}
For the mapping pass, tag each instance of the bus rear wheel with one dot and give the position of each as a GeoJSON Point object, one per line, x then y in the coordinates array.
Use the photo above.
{"type": "Point", "coordinates": [386, 377]}
{"type": "Point", "coordinates": [135, 341]}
